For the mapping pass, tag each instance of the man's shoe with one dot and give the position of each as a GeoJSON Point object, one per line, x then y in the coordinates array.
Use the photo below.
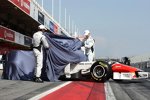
{"type": "Point", "coordinates": [38, 80]}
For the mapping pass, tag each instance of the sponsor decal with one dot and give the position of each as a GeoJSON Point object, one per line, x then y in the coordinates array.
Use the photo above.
{"type": "Point", "coordinates": [127, 75]}
{"type": "Point", "coordinates": [117, 66]}
{"type": "Point", "coordinates": [95, 78]}
{"type": "Point", "coordinates": [40, 17]}
{"type": "Point", "coordinates": [143, 74]}
{"type": "Point", "coordinates": [102, 64]}
{"type": "Point", "coordinates": [55, 29]}
{"type": "Point", "coordinates": [22, 4]}
{"type": "Point", "coordinates": [8, 34]}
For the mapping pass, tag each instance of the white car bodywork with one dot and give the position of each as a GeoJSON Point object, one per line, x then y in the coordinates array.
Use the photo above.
{"type": "Point", "coordinates": [84, 67]}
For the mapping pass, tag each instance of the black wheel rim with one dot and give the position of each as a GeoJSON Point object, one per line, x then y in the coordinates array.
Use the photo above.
{"type": "Point", "coordinates": [99, 71]}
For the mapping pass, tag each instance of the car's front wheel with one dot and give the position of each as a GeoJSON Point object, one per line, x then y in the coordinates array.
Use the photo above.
{"type": "Point", "coordinates": [100, 71]}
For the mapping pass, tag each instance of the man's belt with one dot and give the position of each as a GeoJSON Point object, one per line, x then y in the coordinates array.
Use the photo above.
{"type": "Point", "coordinates": [38, 47]}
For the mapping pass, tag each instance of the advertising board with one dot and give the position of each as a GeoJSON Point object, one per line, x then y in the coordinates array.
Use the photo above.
{"type": "Point", "coordinates": [7, 34]}
{"type": "Point", "coordinates": [40, 17]}
{"type": "Point", "coordinates": [24, 5]}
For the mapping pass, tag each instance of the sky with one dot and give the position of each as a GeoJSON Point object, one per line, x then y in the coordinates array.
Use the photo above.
{"type": "Point", "coordinates": [119, 27]}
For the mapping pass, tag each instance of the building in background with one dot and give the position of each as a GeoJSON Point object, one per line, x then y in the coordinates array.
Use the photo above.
{"type": "Point", "coordinates": [19, 19]}
{"type": "Point", "coordinates": [141, 61]}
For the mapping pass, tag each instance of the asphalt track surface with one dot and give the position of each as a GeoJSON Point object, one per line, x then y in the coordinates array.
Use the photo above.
{"type": "Point", "coordinates": [75, 90]}
{"type": "Point", "coordinates": [131, 90]}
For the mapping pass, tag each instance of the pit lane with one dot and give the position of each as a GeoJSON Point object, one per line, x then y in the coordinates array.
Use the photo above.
{"type": "Point", "coordinates": [81, 90]}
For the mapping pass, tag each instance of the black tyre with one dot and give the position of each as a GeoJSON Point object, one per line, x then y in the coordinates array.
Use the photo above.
{"type": "Point", "coordinates": [101, 71]}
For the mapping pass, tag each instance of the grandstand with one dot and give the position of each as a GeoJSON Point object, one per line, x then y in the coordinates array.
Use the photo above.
{"type": "Point", "coordinates": [19, 19]}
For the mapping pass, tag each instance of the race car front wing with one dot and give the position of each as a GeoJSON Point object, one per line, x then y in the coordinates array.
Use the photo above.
{"type": "Point", "coordinates": [130, 75]}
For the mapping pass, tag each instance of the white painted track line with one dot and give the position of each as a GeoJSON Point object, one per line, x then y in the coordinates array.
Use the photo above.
{"type": "Point", "coordinates": [37, 97]}
{"type": "Point", "coordinates": [108, 92]}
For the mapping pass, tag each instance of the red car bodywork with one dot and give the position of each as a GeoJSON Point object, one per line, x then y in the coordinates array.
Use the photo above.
{"type": "Point", "coordinates": [118, 67]}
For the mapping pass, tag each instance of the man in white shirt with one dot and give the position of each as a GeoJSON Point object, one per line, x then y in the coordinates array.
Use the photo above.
{"type": "Point", "coordinates": [39, 41]}
{"type": "Point", "coordinates": [88, 45]}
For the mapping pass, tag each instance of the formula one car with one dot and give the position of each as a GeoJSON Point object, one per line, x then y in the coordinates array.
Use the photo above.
{"type": "Point", "coordinates": [127, 72]}
{"type": "Point", "coordinates": [104, 70]}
